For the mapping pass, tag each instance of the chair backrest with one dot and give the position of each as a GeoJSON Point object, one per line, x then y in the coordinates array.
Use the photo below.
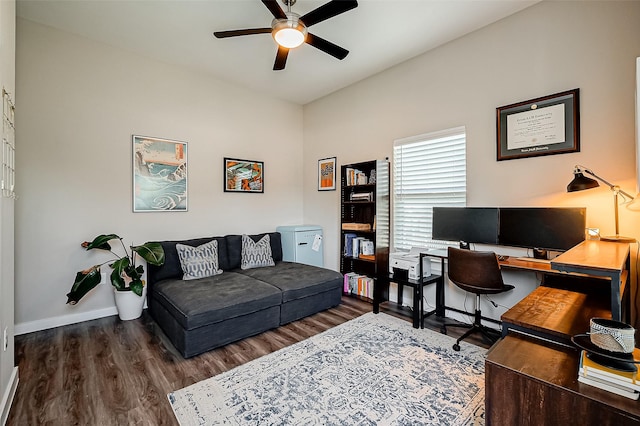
{"type": "Point", "coordinates": [471, 270]}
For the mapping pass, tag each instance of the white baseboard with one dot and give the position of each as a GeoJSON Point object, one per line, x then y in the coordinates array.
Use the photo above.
{"type": "Point", "coordinates": [7, 397]}
{"type": "Point", "coordinates": [44, 324]}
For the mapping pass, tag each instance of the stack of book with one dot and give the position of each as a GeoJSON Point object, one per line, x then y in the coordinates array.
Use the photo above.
{"type": "Point", "coordinates": [355, 177]}
{"type": "Point", "coordinates": [361, 196]}
{"type": "Point", "coordinates": [623, 383]}
{"type": "Point", "coordinates": [358, 284]}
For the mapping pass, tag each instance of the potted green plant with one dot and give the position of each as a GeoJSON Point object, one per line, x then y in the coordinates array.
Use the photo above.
{"type": "Point", "coordinates": [126, 276]}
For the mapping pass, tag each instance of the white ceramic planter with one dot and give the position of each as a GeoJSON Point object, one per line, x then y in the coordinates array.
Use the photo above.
{"type": "Point", "coordinates": [129, 304]}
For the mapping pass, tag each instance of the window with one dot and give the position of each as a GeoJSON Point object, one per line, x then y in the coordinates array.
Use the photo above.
{"type": "Point", "coordinates": [428, 170]}
{"type": "Point", "coordinates": [8, 179]}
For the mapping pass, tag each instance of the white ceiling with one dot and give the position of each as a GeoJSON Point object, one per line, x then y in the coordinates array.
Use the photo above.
{"type": "Point", "coordinates": [378, 34]}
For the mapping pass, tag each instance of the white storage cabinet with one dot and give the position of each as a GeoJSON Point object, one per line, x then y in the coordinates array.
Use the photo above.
{"type": "Point", "coordinates": [302, 244]}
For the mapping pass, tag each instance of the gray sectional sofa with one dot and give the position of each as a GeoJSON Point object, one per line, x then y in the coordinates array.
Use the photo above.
{"type": "Point", "coordinates": [201, 314]}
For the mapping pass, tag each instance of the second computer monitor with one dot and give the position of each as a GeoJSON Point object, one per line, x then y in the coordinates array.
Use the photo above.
{"type": "Point", "coordinates": [548, 228]}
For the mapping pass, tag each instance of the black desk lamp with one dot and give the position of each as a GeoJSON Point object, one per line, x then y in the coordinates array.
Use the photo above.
{"type": "Point", "coordinates": [581, 182]}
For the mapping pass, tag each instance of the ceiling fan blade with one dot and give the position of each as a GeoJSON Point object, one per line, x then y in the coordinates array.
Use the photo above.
{"type": "Point", "coordinates": [236, 33]}
{"type": "Point", "coordinates": [281, 58]}
{"type": "Point", "coordinates": [326, 46]}
{"type": "Point", "coordinates": [328, 10]}
{"type": "Point", "coordinates": [275, 9]}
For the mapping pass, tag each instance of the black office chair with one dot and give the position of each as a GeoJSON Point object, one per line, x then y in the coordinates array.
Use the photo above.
{"type": "Point", "coordinates": [479, 273]}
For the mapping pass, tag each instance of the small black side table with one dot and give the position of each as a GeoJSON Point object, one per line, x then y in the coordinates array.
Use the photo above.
{"type": "Point", "coordinates": [418, 294]}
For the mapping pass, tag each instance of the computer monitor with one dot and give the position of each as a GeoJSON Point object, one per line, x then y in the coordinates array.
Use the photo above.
{"type": "Point", "coordinates": [545, 228]}
{"type": "Point", "coordinates": [468, 224]}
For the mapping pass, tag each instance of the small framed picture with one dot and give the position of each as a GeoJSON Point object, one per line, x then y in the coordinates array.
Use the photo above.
{"type": "Point", "coordinates": [243, 175]}
{"type": "Point", "coordinates": [327, 174]}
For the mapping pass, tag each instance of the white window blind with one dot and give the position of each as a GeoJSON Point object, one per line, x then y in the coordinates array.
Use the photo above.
{"type": "Point", "coordinates": [428, 170]}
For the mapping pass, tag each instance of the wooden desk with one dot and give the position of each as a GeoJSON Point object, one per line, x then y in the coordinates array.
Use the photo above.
{"type": "Point", "coordinates": [555, 314]}
{"type": "Point", "coordinates": [600, 259]}
{"type": "Point", "coordinates": [530, 383]}
{"type": "Point", "coordinates": [603, 259]}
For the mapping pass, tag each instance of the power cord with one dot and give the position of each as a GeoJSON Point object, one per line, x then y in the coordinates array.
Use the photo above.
{"type": "Point", "coordinates": [426, 302]}
{"type": "Point", "coordinates": [495, 305]}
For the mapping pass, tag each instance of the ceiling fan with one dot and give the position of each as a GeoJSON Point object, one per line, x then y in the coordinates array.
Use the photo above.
{"type": "Point", "coordinates": [289, 29]}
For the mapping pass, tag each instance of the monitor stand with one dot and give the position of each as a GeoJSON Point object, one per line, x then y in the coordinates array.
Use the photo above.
{"type": "Point", "coordinates": [539, 254]}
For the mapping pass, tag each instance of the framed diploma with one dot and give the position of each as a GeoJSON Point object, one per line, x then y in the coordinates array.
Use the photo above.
{"type": "Point", "coordinates": [542, 126]}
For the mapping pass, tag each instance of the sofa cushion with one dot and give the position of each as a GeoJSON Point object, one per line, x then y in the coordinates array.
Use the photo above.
{"type": "Point", "coordinates": [171, 269]}
{"type": "Point", "coordinates": [196, 303]}
{"type": "Point", "coordinates": [234, 248]}
{"type": "Point", "coordinates": [256, 254]}
{"type": "Point", "coordinates": [297, 280]}
{"type": "Point", "coordinates": [199, 262]}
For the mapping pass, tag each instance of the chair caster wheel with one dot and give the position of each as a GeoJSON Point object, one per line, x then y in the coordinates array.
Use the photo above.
{"type": "Point", "coordinates": [456, 347]}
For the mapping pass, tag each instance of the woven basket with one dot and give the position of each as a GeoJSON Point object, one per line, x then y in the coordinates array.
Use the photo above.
{"type": "Point", "coordinates": [612, 336]}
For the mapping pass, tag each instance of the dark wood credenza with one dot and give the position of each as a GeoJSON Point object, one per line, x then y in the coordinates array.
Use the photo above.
{"type": "Point", "coordinates": [529, 382]}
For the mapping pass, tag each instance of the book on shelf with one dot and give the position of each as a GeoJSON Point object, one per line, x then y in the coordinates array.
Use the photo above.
{"type": "Point", "coordinates": [351, 175]}
{"type": "Point", "coordinates": [361, 178]}
{"type": "Point", "coordinates": [355, 177]}
{"type": "Point", "coordinates": [348, 243]}
{"type": "Point", "coordinates": [348, 175]}
{"type": "Point", "coordinates": [365, 286]}
{"type": "Point", "coordinates": [348, 281]}
{"type": "Point", "coordinates": [356, 246]}
{"type": "Point", "coordinates": [361, 196]}
{"type": "Point", "coordinates": [367, 248]}
{"type": "Point", "coordinates": [358, 284]}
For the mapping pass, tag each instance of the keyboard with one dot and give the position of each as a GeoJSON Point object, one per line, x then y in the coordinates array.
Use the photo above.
{"type": "Point", "coordinates": [533, 259]}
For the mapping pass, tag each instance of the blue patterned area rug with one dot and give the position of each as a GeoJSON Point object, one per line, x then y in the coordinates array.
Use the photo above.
{"type": "Point", "coordinates": [372, 370]}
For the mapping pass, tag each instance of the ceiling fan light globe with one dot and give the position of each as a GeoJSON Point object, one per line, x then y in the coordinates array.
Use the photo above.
{"type": "Point", "coordinates": [289, 32]}
{"type": "Point", "coordinates": [289, 37]}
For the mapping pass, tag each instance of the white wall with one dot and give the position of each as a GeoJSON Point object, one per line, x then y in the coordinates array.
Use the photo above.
{"type": "Point", "coordinates": [8, 371]}
{"type": "Point", "coordinates": [80, 102]}
{"type": "Point", "coordinates": [638, 125]}
{"type": "Point", "coordinates": [548, 48]}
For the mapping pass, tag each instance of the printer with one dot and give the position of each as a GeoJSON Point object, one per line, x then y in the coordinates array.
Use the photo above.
{"type": "Point", "coordinates": [405, 264]}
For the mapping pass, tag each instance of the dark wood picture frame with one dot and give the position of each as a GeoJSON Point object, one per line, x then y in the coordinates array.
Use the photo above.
{"type": "Point", "coordinates": [243, 175]}
{"type": "Point", "coordinates": [542, 126]}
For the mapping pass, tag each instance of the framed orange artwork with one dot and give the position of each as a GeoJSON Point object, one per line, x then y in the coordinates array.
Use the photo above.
{"type": "Point", "coordinates": [243, 175]}
{"type": "Point", "coordinates": [327, 174]}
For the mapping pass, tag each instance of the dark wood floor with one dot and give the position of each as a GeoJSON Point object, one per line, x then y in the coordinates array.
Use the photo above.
{"type": "Point", "coordinates": [112, 372]}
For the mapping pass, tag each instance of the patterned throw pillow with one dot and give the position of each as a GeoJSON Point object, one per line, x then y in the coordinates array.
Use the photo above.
{"type": "Point", "coordinates": [256, 255]}
{"type": "Point", "coordinates": [199, 262]}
